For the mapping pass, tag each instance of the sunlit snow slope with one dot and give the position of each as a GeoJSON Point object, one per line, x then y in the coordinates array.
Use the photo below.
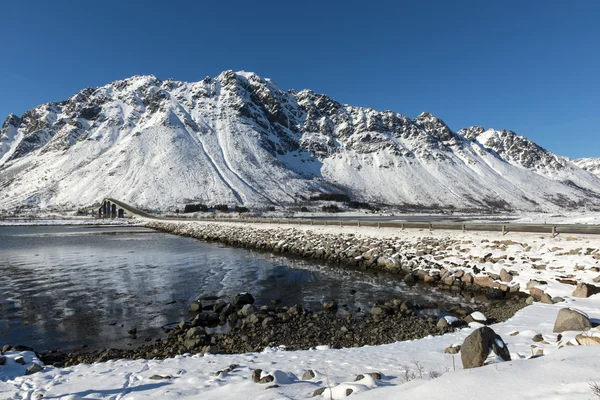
{"type": "Point", "coordinates": [589, 164]}
{"type": "Point", "coordinates": [239, 139]}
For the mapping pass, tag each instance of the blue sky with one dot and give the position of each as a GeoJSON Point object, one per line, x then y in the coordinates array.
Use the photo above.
{"type": "Point", "coordinates": [530, 66]}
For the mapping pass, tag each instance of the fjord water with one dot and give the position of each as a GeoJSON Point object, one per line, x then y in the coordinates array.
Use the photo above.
{"type": "Point", "coordinates": [65, 287]}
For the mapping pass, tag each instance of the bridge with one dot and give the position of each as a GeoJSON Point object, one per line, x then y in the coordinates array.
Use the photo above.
{"type": "Point", "coordinates": [112, 208]}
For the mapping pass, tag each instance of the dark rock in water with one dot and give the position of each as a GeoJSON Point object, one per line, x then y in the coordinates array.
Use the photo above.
{"type": "Point", "coordinates": [318, 392]}
{"type": "Point", "coordinates": [2, 360]}
{"type": "Point", "coordinates": [6, 348]}
{"type": "Point", "coordinates": [476, 347]}
{"type": "Point", "coordinates": [256, 375]}
{"type": "Point", "coordinates": [219, 306]}
{"type": "Point", "coordinates": [227, 310]}
{"type": "Point", "coordinates": [132, 331]}
{"type": "Point", "coordinates": [411, 279]}
{"type": "Point", "coordinates": [20, 360]}
{"type": "Point", "coordinates": [242, 299]}
{"type": "Point", "coordinates": [272, 387]}
{"type": "Point", "coordinates": [349, 392]}
{"type": "Point", "coordinates": [195, 307]}
{"type": "Point", "coordinates": [160, 377]}
{"type": "Point", "coordinates": [20, 347]}
{"type": "Point", "coordinates": [33, 368]}
{"type": "Point", "coordinates": [209, 298]}
{"type": "Point", "coordinates": [330, 306]}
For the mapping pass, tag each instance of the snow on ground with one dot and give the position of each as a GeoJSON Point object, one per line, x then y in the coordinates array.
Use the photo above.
{"type": "Point", "coordinates": [562, 371]}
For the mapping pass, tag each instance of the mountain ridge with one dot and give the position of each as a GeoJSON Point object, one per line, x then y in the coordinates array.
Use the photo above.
{"type": "Point", "coordinates": [238, 138]}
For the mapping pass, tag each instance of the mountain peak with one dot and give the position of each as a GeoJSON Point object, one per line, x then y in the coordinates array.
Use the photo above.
{"type": "Point", "coordinates": [239, 139]}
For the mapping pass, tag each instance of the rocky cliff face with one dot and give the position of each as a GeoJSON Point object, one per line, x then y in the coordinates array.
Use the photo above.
{"type": "Point", "coordinates": [238, 138]}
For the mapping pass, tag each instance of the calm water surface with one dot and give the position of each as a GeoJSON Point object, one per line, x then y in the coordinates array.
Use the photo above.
{"type": "Point", "coordinates": [68, 286]}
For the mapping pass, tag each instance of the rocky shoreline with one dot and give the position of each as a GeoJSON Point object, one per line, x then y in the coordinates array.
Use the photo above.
{"type": "Point", "coordinates": [251, 329]}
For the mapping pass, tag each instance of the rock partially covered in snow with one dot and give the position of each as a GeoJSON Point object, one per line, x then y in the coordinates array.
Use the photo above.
{"type": "Point", "coordinates": [476, 317]}
{"type": "Point", "coordinates": [477, 347]}
{"type": "Point", "coordinates": [570, 319]}
{"type": "Point", "coordinates": [585, 290]}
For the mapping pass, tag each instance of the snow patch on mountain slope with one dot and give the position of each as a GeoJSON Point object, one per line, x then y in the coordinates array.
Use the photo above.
{"type": "Point", "coordinates": [591, 165]}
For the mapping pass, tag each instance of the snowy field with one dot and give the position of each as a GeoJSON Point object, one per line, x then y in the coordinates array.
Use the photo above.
{"type": "Point", "coordinates": [410, 370]}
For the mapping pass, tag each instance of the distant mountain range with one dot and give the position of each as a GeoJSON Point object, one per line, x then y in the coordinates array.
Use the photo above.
{"type": "Point", "coordinates": [239, 139]}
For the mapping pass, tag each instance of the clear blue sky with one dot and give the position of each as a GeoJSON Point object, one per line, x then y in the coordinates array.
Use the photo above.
{"type": "Point", "coordinates": [530, 66]}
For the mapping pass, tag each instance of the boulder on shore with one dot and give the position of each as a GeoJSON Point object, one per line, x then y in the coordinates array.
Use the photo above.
{"type": "Point", "coordinates": [584, 290]}
{"type": "Point", "coordinates": [571, 319]}
{"type": "Point", "coordinates": [242, 299]}
{"type": "Point", "coordinates": [477, 346]}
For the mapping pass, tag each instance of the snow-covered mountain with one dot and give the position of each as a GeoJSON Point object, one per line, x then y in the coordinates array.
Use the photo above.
{"type": "Point", "coordinates": [589, 164]}
{"type": "Point", "coordinates": [238, 138]}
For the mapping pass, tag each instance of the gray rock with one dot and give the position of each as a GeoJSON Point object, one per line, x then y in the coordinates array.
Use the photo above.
{"type": "Point", "coordinates": [318, 392]}
{"type": "Point", "coordinates": [256, 375]}
{"type": "Point", "coordinates": [442, 323]}
{"type": "Point", "coordinates": [585, 290]}
{"type": "Point", "coordinates": [2, 360]}
{"type": "Point", "coordinates": [195, 332]}
{"type": "Point", "coordinates": [330, 306]}
{"type": "Point", "coordinates": [546, 299]}
{"type": "Point", "coordinates": [227, 310]}
{"type": "Point", "coordinates": [160, 377]}
{"type": "Point", "coordinates": [20, 360]}
{"type": "Point", "coordinates": [375, 311]}
{"type": "Point", "coordinates": [246, 310]}
{"type": "Point", "coordinates": [308, 375]}
{"type": "Point", "coordinates": [476, 347]}
{"type": "Point", "coordinates": [191, 343]}
{"type": "Point", "coordinates": [586, 340]}
{"type": "Point", "coordinates": [266, 379]}
{"type": "Point", "coordinates": [411, 279]}
{"type": "Point", "coordinates": [529, 301]}
{"type": "Point", "coordinates": [242, 299]}
{"type": "Point", "coordinates": [452, 349]}
{"type": "Point", "coordinates": [33, 368]}
{"type": "Point", "coordinates": [195, 307]}
{"type": "Point", "coordinates": [219, 306]}
{"type": "Point", "coordinates": [349, 392]}
{"type": "Point", "coordinates": [538, 338]}
{"type": "Point", "coordinates": [557, 299]}
{"type": "Point", "coordinates": [570, 319]}
{"type": "Point", "coordinates": [505, 276]}
{"type": "Point", "coordinates": [269, 321]}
